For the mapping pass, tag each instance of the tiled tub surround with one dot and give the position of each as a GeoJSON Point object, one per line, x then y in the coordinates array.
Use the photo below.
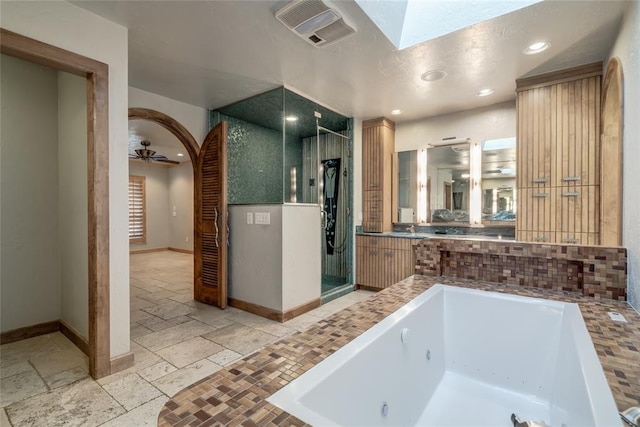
{"type": "Point", "coordinates": [236, 396]}
{"type": "Point", "coordinates": [595, 271]}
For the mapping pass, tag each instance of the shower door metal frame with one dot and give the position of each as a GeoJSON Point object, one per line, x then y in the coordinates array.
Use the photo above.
{"type": "Point", "coordinates": [349, 197]}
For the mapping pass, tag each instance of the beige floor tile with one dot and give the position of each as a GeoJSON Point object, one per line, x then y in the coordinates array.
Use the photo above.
{"type": "Point", "coordinates": [4, 420]}
{"type": "Point", "coordinates": [240, 338]}
{"type": "Point", "coordinates": [167, 337]}
{"type": "Point", "coordinates": [137, 330]}
{"type": "Point", "coordinates": [18, 387]}
{"type": "Point", "coordinates": [225, 357]}
{"type": "Point", "coordinates": [62, 341]}
{"type": "Point", "coordinates": [136, 303]}
{"type": "Point", "coordinates": [66, 377]}
{"type": "Point", "coordinates": [157, 324]}
{"type": "Point", "coordinates": [138, 315]}
{"type": "Point", "coordinates": [83, 403]}
{"type": "Point", "coordinates": [20, 351]}
{"type": "Point", "coordinates": [189, 351]}
{"type": "Point", "coordinates": [142, 416]}
{"type": "Point", "coordinates": [15, 369]}
{"type": "Point", "coordinates": [276, 329]}
{"type": "Point", "coordinates": [302, 322]}
{"type": "Point", "coordinates": [169, 310]}
{"type": "Point", "coordinates": [174, 382]}
{"type": "Point", "coordinates": [157, 370]}
{"type": "Point", "coordinates": [157, 296]}
{"type": "Point", "coordinates": [58, 361]}
{"type": "Point", "coordinates": [210, 315]}
{"type": "Point", "coordinates": [132, 391]}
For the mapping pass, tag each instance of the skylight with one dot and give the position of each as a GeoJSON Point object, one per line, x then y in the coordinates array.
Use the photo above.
{"type": "Point", "coordinates": [407, 23]}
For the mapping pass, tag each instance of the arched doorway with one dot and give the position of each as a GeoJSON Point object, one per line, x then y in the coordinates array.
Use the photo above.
{"type": "Point", "coordinates": [611, 126]}
{"type": "Point", "coordinates": [210, 204]}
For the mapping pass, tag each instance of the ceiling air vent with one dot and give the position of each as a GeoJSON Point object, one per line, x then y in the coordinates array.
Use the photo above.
{"type": "Point", "coordinates": [314, 21]}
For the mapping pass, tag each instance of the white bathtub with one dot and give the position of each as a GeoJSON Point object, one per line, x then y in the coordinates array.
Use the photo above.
{"type": "Point", "coordinates": [470, 358]}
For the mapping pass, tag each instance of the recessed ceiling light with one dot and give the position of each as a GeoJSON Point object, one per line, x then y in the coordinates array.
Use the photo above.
{"type": "Point", "coordinates": [396, 112]}
{"type": "Point", "coordinates": [291, 118]}
{"type": "Point", "coordinates": [180, 155]}
{"type": "Point", "coordinates": [537, 48]}
{"type": "Point", "coordinates": [484, 92]}
{"type": "Point", "coordinates": [433, 75]}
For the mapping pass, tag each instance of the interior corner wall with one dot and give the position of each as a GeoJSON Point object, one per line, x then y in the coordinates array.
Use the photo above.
{"type": "Point", "coordinates": [30, 267]}
{"type": "Point", "coordinates": [626, 48]}
{"type": "Point", "coordinates": [157, 205]}
{"type": "Point", "coordinates": [72, 28]}
{"type": "Point", "coordinates": [190, 116]}
{"type": "Point", "coordinates": [181, 203]}
{"type": "Point", "coordinates": [73, 202]}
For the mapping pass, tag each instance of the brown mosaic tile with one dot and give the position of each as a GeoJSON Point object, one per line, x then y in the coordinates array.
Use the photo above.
{"type": "Point", "coordinates": [236, 396]}
{"type": "Point", "coordinates": [595, 271]}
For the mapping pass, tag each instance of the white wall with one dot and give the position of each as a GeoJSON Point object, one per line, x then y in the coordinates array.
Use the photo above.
{"type": "Point", "coordinates": [30, 270]}
{"type": "Point", "coordinates": [192, 117]}
{"type": "Point", "coordinates": [626, 48]}
{"type": "Point", "coordinates": [157, 205]}
{"type": "Point", "coordinates": [181, 202]}
{"type": "Point", "coordinates": [301, 255]}
{"type": "Point", "coordinates": [73, 204]}
{"type": "Point", "coordinates": [255, 256]}
{"type": "Point", "coordinates": [494, 121]}
{"type": "Point", "coordinates": [69, 27]}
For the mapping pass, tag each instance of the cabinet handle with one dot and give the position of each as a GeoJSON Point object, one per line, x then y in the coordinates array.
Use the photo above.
{"type": "Point", "coordinates": [540, 239]}
{"type": "Point", "coordinates": [541, 195]}
{"type": "Point", "coordinates": [388, 254]}
{"type": "Point", "coordinates": [540, 180]}
{"type": "Point", "coordinates": [375, 206]}
{"type": "Point", "coordinates": [571, 240]}
{"type": "Point", "coordinates": [373, 252]}
{"type": "Point", "coordinates": [571, 178]}
{"type": "Point", "coordinates": [570, 193]}
{"type": "Point", "coordinates": [373, 217]}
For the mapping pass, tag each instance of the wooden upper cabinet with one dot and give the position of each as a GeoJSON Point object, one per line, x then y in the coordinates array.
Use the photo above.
{"type": "Point", "coordinates": [378, 141]}
{"type": "Point", "coordinates": [558, 156]}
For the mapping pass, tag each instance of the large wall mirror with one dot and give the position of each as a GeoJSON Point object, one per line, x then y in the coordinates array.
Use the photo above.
{"type": "Point", "coordinates": [436, 185]}
{"type": "Point", "coordinates": [499, 181]}
{"type": "Point", "coordinates": [448, 169]}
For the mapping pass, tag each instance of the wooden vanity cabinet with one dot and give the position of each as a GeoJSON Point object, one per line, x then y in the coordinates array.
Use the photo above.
{"type": "Point", "coordinates": [383, 261]}
{"type": "Point", "coordinates": [378, 141]}
{"type": "Point", "coordinates": [558, 156]}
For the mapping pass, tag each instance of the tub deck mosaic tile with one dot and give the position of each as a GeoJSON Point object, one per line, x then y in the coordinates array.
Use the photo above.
{"type": "Point", "coordinates": [236, 396]}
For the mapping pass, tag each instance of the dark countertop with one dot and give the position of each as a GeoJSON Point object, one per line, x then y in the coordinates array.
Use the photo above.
{"type": "Point", "coordinates": [420, 236]}
{"type": "Point", "coordinates": [236, 395]}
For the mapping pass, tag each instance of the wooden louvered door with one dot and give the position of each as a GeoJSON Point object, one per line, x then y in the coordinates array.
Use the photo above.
{"type": "Point", "coordinates": [211, 234]}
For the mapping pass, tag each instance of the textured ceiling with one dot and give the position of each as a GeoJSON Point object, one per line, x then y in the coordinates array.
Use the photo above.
{"type": "Point", "coordinates": [214, 53]}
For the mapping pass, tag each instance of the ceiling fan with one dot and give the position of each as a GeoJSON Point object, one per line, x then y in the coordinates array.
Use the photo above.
{"type": "Point", "coordinates": [147, 155]}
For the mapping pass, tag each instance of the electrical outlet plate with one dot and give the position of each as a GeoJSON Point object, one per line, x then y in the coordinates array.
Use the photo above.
{"type": "Point", "coordinates": [617, 317]}
{"type": "Point", "coordinates": [263, 218]}
{"type": "Point", "coordinates": [249, 217]}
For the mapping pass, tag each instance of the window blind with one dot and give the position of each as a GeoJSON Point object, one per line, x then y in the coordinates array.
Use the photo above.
{"type": "Point", "coordinates": [137, 210]}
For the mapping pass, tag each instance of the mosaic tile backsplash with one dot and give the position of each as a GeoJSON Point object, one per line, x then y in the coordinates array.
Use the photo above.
{"type": "Point", "coordinates": [595, 271]}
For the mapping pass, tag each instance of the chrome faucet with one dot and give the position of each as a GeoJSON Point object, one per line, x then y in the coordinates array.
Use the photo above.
{"type": "Point", "coordinates": [411, 229]}
{"type": "Point", "coordinates": [517, 423]}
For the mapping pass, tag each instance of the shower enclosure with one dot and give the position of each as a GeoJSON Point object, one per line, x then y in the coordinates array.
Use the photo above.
{"type": "Point", "coordinates": [285, 149]}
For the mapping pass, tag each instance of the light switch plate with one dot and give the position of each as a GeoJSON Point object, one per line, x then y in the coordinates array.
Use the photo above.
{"type": "Point", "coordinates": [249, 217]}
{"type": "Point", "coordinates": [263, 218]}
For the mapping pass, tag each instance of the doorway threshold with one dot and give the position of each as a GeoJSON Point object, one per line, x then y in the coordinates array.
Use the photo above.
{"type": "Point", "coordinates": [336, 293]}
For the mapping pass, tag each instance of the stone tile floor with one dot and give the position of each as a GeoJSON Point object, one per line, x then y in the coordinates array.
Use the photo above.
{"type": "Point", "coordinates": [176, 340]}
